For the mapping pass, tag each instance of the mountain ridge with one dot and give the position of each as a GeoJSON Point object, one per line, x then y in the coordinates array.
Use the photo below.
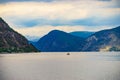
{"type": "Point", "coordinates": [84, 34]}
{"type": "Point", "coordinates": [104, 40]}
{"type": "Point", "coordinates": [59, 41]}
{"type": "Point", "coordinates": [12, 41]}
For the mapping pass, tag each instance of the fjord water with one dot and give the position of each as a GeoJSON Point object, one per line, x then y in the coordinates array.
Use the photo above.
{"type": "Point", "coordinates": [59, 66]}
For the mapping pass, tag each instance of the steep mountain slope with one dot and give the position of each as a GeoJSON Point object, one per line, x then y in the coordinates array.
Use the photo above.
{"type": "Point", "coordinates": [56, 41]}
{"type": "Point", "coordinates": [83, 34]}
{"type": "Point", "coordinates": [105, 40]}
{"type": "Point", "coordinates": [11, 41]}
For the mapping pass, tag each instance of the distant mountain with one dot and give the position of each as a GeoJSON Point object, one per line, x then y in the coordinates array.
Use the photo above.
{"type": "Point", "coordinates": [59, 41]}
{"type": "Point", "coordinates": [105, 40]}
{"type": "Point", "coordinates": [84, 34]}
{"type": "Point", "coordinates": [32, 38]}
{"type": "Point", "coordinates": [12, 41]}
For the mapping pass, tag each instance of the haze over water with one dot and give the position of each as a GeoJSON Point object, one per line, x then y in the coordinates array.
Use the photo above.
{"type": "Point", "coordinates": [59, 66]}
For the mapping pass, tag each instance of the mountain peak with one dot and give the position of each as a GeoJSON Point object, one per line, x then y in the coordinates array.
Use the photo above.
{"type": "Point", "coordinates": [56, 32]}
{"type": "Point", "coordinates": [4, 26]}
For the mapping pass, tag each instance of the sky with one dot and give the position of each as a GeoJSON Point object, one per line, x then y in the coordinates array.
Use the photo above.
{"type": "Point", "coordinates": [35, 18]}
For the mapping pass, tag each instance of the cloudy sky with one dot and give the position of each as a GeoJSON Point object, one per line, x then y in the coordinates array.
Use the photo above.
{"type": "Point", "coordinates": [38, 17]}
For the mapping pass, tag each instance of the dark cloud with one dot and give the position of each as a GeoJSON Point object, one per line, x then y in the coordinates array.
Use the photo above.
{"type": "Point", "coordinates": [5, 1]}
{"type": "Point", "coordinates": [84, 22]}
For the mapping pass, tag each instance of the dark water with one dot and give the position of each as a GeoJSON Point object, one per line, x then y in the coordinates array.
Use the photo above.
{"type": "Point", "coordinates": [59, 66]}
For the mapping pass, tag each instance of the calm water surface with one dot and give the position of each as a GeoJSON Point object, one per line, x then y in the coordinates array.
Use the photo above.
{"type": "Point", "coordinates": [59, 66]}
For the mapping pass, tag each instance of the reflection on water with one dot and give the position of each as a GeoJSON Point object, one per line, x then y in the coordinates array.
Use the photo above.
{"type": "Point", "coordinates": [60, 66]}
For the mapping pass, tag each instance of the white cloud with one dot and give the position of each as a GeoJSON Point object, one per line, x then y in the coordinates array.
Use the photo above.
{"type": "Point", "coordinates": [55, 10]}
{"type": "Point", "coordinates": [42, 10]}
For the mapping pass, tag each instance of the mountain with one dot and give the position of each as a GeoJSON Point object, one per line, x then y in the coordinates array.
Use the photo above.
{"type": "Point", "coordinates": [105, 40]}
{"type": "Point", "coordinates": [84, 34]}
{"type": "Point", "coordinates": [12, 41]}
{"type": "Point", "coordinates": [59, 41]}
